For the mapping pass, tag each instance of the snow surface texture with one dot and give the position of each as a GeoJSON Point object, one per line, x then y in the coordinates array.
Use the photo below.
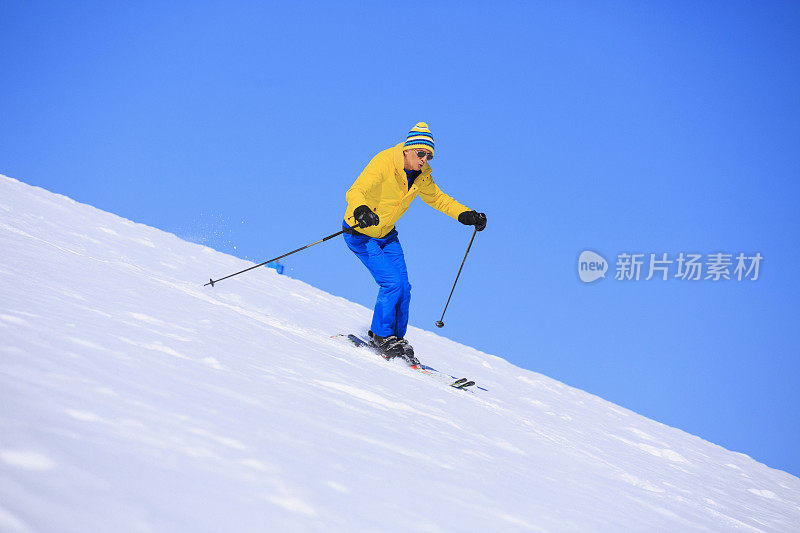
{"type": "Point", "coordinates": [132, 398]}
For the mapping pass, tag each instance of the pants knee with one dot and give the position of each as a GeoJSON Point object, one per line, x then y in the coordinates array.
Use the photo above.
{"type": "Point", "coordinates": [401, 286]}
{"type": "Point", "coordinates": [393, 285]}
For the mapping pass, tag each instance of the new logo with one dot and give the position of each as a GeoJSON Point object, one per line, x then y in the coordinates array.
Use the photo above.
{"type": "Point", "coordinates": [591, 266]}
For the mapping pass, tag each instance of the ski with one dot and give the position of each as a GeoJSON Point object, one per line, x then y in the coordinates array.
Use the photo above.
{"type": "Point", "coordinates": [459, 383]}
{"type": "Point", "coordinates": [463, 386]}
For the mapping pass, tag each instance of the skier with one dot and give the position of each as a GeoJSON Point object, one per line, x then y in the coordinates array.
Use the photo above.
{"type": "Point", "coordinates": [376, 201]}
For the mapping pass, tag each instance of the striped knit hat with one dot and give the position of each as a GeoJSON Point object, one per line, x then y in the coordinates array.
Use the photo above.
{"type": "Point", "coordinates": [419, 137]}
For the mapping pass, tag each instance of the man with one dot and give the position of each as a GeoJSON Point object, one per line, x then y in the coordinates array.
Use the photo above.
{"type": "Point", "coordinates": [376, 201]}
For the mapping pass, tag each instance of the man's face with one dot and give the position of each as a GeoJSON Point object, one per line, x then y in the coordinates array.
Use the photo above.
{"type": "Point", "coordinates": [413, 161]}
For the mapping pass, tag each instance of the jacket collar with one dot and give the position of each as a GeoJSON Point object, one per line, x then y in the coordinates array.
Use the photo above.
{"type": "Point", "coordinates": [399, 165]}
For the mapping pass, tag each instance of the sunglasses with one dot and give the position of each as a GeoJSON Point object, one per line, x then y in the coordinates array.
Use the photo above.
{"type": "Point", "coordinates": [422, 154]}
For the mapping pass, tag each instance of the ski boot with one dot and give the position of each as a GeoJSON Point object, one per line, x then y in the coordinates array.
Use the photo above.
{"type": "Point", "coordinates": [408, 353]}
{"type": "Point", "coordinates": [392, 346]}
{"type": "Point", "coordinates": [389, 347]}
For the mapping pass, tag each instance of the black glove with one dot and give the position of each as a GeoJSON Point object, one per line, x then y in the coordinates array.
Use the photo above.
{"type": "Point", "coordinates": [365, 217]}
{"type": "Point", "coordinates": [473, 218]}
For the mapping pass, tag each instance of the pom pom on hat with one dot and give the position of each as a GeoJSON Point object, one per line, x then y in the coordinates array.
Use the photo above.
{"type": "Point", "coordinates": [419, 137]}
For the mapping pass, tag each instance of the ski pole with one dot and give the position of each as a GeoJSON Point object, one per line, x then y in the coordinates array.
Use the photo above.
{"type": "Point", "coordinates": [439, 323]}
{"type": "Point", "coordinates": [213, 281]}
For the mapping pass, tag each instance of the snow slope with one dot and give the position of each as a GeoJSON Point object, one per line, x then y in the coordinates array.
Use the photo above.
{"type": "Point", "coordinates": [132, 398]}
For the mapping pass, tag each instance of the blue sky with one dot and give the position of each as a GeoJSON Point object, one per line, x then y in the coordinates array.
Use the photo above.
{"type": "Point", "coordinates": [618, 127]}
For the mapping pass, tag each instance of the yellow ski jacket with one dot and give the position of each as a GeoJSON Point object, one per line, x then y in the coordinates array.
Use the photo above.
{"type": "Point", "coordinates": [383, 187]}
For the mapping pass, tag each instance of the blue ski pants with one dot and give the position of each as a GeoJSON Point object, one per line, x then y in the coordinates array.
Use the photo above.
{"type": "Point", "coordinates": [385, 261]}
